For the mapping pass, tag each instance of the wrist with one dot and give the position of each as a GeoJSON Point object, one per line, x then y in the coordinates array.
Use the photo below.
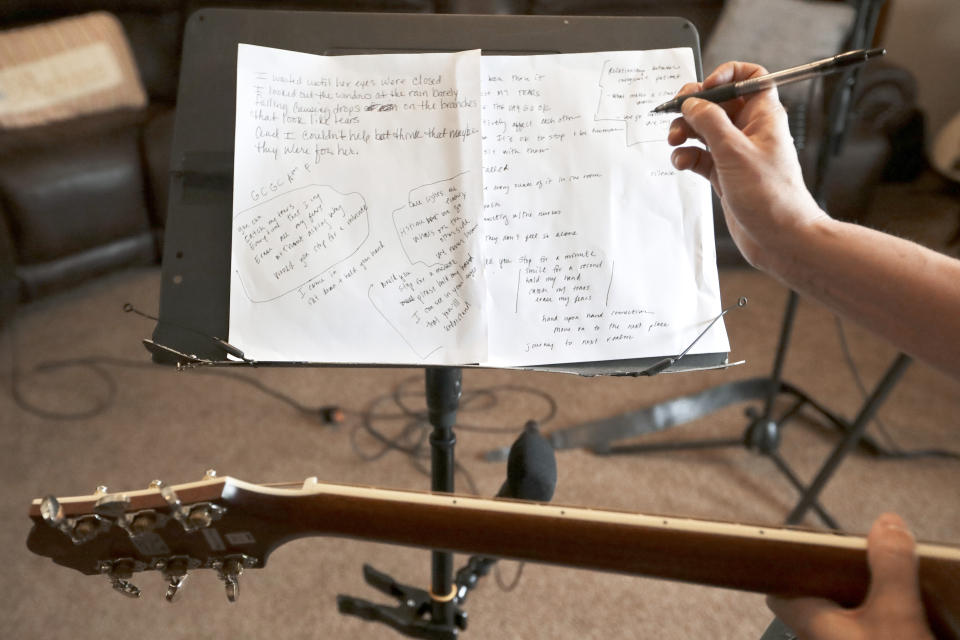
{"type": "Point", "coordinates": [797, 245]}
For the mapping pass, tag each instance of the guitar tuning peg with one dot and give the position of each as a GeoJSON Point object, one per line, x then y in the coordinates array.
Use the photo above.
{"type": "Point", "coordinates": [52, 511]}
{"type": "Point", "coordinates": [125, 587]}
{"type": "Point", "coordinates": [232, 586]}
{"type": "Point", "coordinates": [101, 490]}
{"type": "Point", "coordinates": [175, 588]}
{"type": "Point", "coordinates": [118, 573]}
{"type": "Point", "coordinates": [210, 474]}
{"type": "Point", "coordinates": [175, 572]}
{"type": "Point", "coordinates": [230, 571]}
{"type": "Point", "coordinates": [111, 507]}
{"type": "Point", "coordinates": [156, 484]}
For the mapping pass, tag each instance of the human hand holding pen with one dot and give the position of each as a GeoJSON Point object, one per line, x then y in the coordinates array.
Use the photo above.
{"type": "Point", "coordinates": [750, 161]}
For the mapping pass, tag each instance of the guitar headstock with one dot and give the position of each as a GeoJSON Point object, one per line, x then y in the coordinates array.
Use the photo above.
{"type": "Point", "coordinates": [168, 529]}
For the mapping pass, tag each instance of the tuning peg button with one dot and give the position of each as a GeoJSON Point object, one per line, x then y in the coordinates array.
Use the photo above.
{"type": "Point", "coordinates": [125, 587]}
{"type": "Point", "coordinates": [230, 571]}
{"type": "Point", "coordinates": [175, 571]}
{"type": "Point", "coordinates": [119, 572]}
{"type": "Point", "coordinates": [175, 587]}
{"type": "Point", "coordinates": [232, 586]}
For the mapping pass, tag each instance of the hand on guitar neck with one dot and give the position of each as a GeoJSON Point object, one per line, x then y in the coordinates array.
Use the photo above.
{"type": "Point", "coordinates": [892, 608]}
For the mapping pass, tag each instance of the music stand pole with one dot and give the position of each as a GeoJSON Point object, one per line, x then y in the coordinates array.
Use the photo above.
{"type": "Point", "coordinates": [443, 388]}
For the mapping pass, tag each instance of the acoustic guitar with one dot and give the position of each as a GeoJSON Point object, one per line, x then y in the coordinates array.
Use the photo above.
{"type": "Point", "coordinates": [230, 526]}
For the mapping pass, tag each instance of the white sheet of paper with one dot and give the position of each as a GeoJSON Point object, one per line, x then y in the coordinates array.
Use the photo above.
{"type": "Point", "coordinates": [371, 226]}
{"type": "Point", "coordinates": [595, 247]}
{"type": "Point", "coordinates": [356, 201]}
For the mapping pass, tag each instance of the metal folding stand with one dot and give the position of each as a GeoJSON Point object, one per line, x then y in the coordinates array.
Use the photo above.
{"type": "Point", "coordinates": [763, 433]}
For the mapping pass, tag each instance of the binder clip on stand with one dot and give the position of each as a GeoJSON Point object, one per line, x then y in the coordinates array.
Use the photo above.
{"type": "Point", "coordinates": [531, 475]}
{"type": "Point", "coordinates": [764, 429]}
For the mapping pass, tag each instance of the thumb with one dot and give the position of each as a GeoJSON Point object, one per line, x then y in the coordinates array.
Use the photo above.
{"type": "Point", "coordinates": [893, 563]}
{"type": "Point", "coordinates": [807, 617]}
{"type": "Point", "coordinates": [711, 122]}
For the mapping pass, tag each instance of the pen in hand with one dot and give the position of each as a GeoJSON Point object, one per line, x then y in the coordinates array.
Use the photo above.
{"type": "Point", "coordinates": [725, 92]}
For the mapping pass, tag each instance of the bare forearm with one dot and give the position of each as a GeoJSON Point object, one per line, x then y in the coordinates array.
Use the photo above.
{"type": "Point", "coordinates": [902, 291]}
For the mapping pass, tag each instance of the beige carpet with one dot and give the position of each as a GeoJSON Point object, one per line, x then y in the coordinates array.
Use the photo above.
{"type": "Point", "coordinates": [170, 425]}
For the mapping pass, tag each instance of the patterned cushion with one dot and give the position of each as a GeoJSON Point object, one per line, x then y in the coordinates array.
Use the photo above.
{"type": "Point", "coordinates": [66, 68]}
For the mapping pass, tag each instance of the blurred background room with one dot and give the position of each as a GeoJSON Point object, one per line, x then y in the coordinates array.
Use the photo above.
{"type": "Point", "coordinates": [88, 105]}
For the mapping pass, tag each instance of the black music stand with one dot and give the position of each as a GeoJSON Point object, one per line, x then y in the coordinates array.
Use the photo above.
{"type": "Point", "coordinates": [194, 299]}
{"type": "Point", "coordinates": [762, 434]}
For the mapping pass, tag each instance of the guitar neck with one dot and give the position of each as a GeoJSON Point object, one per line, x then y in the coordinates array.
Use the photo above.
{"type": "Point", "coordinates": [260, 518]}
{"type": "Point", "coordinates": [788, 562]}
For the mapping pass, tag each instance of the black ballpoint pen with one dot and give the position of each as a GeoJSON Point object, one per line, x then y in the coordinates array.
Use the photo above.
{"type": "Point", "coordinates": [733, 90]}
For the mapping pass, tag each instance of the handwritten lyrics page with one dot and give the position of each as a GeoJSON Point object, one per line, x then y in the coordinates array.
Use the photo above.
{"type": "Point", "coordinates": [595, 248]}
{"type": "Point", "coordinates": [357, 199]}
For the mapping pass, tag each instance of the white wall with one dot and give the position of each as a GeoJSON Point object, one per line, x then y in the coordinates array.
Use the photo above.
{"type": "Point", "coordinates": [924, 37]}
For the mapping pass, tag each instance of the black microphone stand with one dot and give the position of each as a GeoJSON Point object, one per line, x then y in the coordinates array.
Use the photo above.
{"type": "Point", "coordinates": [433, 614]}
{"type": "Point", "coordinates": [436, 614]}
